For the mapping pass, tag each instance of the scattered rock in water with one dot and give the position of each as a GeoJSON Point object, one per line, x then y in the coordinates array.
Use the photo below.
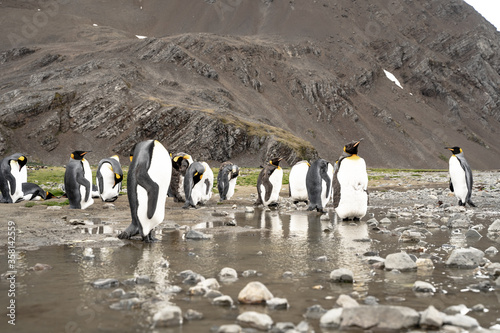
{"type": "Point", "coordinates": [385, 220]}
{"type": "Point", "coordinates": [277, 303]}
{"type": "Point", "coordinates": [371, 300]}
{"type": "Point", "coordinates": [431, 318]}
{"type": "Point", "coordinates": [117, 293]}
{"type": "Point", "coordinates": [331, 319]}
{"type": "Point", "coordinates": [346, 301]}
{"type": "Point", "coordinates": [231, 328]}
{"type": "Point", "coordinates": [191, 277]}
{"type": "Point", "coordinates": [228, 274]}
{"type": "Point", "coordinates": [105, 283]}
{"type": "Point", "coordinates": [249, 272]}
{"type": "Point", "coordinates": [40, 267]}
{"type": "Point", "coordinates": [224, 300]}
{"type": "Point", "coordinates": [172, 290]}
{"type": "Point", "coordinates": [342, 275]}
{"type": "Point", "coordinates": [423, 287]}
{"type": "Point", "coordinates": [491, 251]}
{"type": "Point", "coordinates": [472, 234]}
{"type": "Point", "coordinates": [126, 304]}
{"type": "Point", "coordinates": [164, 263]}
{"type": "Point", "coordinates": [465, 258]}
{"type": "Point", "coordinates": [143, 279]}
{"type": "Point", "coordinates": [399, 261]}
{"type": "Point", "coordinates": [167, 316]}
{"type": "Point", "coordinates": [457, 309]}
{"type": "Point", "coordinates": [249, 209]}
{"type": "Point", "coordinates": [382, 317]}
{"type": "Point", "coordinates": [193, 315]}
{"type": "Point", "coordinates": [495, 226]}
{"type": "Point", "coordinates": [461, 321]}
{"type": "Point", "coordinates": [424, 264]}
{"type": "Point", "coordinates": [197, 235]}
{"type": "Point", "coordinates": [287, 275]}
{"type": "Point", "coordinates": [211, 294]}
{"type": "Point", "coordinates": [256, 320]}
{"type": "Point", "coordinates": [254, 293]}
{"type": "Point", "coordinates": [283, 327]}
{"type": "Point", "coordinates": [314, 312]}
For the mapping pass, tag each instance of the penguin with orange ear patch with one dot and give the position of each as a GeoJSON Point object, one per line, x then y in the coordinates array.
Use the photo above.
{"type": "Point", "coordinates": [460, 177]}
{"type": "Point", "coordinates": [78, 181]}
{"type": "Point", "coordinates": [12, 175]}
{"type": "Point", "coordinates": [109, 177]}
{"type": "Point", "coordinates": [269, 183]}
{"type": "Point", "coordinates": [350, 181]}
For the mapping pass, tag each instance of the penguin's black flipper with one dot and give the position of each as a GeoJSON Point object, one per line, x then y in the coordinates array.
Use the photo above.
{"type": "Point", "coordinates": [100, 181]}
{"type": "Point", "coordinates": [451, 186]}
{"type": "Point", "coordinates": [152, 189]}
{"type": "Point", "coordinates": [12, 181]}
{"type": "Point", "coordinates": [84, 182]}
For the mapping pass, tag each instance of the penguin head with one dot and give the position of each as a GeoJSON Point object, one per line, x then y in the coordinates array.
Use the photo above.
{"type": "Point", "coordinates": [78, 155]}
{"type": "Point", "coordinates": [118, 179]}
{"type": "Point", "coordinates": [49, 195]}
{"type": "Point", "coordinates": [181, 161]}
{"type": "Point", "coordinates": [455, 150]}
{"type": "Point", "coordinates": [276, 161]}
{"type": "Point", "coordinates": [352, 147]}
{"type": "Point", "coordinates": [22, 160]}
{"type": "Point", "coordinates": [235, 171]}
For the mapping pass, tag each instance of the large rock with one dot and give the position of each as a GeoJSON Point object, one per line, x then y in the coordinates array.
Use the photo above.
{"type": "Point", "coordinates": [168, 316]}
{"type": "Point", "coordinates": [380, 317]}
{"type": "Point", "coordinates": [431, 318]}
{"type": "Point", "coordinates": [465, 258]}
{"type": "Point", "coordinates": [256, 320]}
{"type": "Point", "coordinates": [495, 226]}
{"type": "Point", "coordinates": [254, 292]}
{"type": "Point", "coordinates": [400, 261]}
{"type": "Point", "coordinates": [331, 319]}
{"type": "Point", "coordinates": [342, 275]}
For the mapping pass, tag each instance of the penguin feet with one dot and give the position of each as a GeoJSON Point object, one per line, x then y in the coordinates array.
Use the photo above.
{"type": "Point", "coordinates": [471, 204]}
{"type": "Point", "coordinates": [149, 238]}
{"type": "Point", "coordinates": [273, 205]}
{"type": "Point", "coordinates": [356, 219]}
{"type": "Point", "coordinates": [124, 235]}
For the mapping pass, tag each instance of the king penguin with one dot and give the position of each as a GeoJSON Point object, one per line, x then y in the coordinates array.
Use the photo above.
{"type": "Point", "coordinates": [319, 184]}
{"type": "Point", "coordinates": [34, 192]}
{"type": "Point", "coordinates": [148, 180]}
{"type": "Point", "coordinates": [350, 181]}
{"type": "Point", "coordinates": [78, 181]}
{"type": "Point", "coordinates": [109, 178]}
{"type": "Point", "coordinates": [194, 183]}
{"type": "Point", "coordinates": [269, 183]}
{"type": "Point", "coordinates": [180, 163]}
{"type": "Point", "coordinates": [226, 180]}
{"type": "Point", "coordinates": [297, 182]}
{"type": "Point", "coordinates": [13, 174]}
{"type": "Point", "coordinates": [460, 177]}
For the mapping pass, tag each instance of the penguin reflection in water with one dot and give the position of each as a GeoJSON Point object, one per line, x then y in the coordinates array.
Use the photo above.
{"type": "Point", "coordinates": [198, 184]}
{"type": "Point", "coordinates": [460, 177]}
{"type": "Point", "coordinates": [269, 183]}
{"type": "Point", "coordinates": [350, 181]}
{"type": "Point", "coordinates": [13, 174]}
{"type": "Point", "coordinates": [148, 180]}
{"type": "Point", "coordinates": [78, 181]}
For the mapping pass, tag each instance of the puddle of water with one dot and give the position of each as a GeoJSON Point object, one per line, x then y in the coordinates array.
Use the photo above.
{"type": "Point", "coordinates": [62, 299]}
{"type": "Point", "coordinates": [102, 229]}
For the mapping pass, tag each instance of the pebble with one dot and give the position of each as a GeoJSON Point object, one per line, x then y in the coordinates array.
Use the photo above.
{"type": "Point", "coordinates": [224, 300]}
{"type": "Point", "coordinates": [193, 315]}
{"type": "Point", "coordinates": [167, 316]}
{"type": "Point", "coordinates": [277, 303]}
{"type": "Point", "coordinates": [105, 283]}
{"type": "Point", "coordinates": [342, 275]}
{"type": "Point", "coordinates": [423, 287]}
{"type": "Point", "coordinates": [231, 328]}
{"type": "Point", "coordinates": [256, 320]}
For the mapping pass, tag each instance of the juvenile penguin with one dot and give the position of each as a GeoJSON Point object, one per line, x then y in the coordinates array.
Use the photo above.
{"type": "Point", "coordinates": [78, 181]}
{"type": "Point", "coordinates": [460, 177]}
{"type": "Point", "coordinates": [350, 181]}
{"type": "Point", "coordinates": [148, 180]}
{"type": "Point", "coordinates": [180, 163]}
{"type": "Point", "coordinates": [194, 183]}
{"type": "Point", "coordinates": [109, 178]}
{"type": "Point", "coordinates": [12, 175]}
{"type": "Point", "coordinates": [226, 180]}
{"type": "Point", "coordinates": [269, 183]}
{"type": "Point", "coordinates": [319, 184]}
{"type": "Point", "coordinates": [34, 192]}
{"type": "Point", "coordinates": [297, 182]}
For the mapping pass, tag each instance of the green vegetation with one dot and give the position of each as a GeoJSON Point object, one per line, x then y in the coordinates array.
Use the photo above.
{"type": "Point", "coordinates": [386, 170]}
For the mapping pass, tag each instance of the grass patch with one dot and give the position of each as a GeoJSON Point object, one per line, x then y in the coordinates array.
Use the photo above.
{"type": "Point", "coordinates": [387, 170]}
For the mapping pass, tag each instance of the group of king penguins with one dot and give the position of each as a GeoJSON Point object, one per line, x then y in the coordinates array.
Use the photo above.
{"type": "Point", "coordinates": [154, 175]}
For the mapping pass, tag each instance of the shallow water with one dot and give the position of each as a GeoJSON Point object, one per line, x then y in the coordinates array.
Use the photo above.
{"type": "Point", "coordinates": [272, 243]}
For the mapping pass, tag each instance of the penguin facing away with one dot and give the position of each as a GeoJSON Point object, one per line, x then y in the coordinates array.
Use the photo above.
{"type": "Point", "coordinates": [109, 178]}
{"type": "Point", "coordinates": [194, 185]}
{"type": "Point", "coordinates": [12, 175]}
{"type": "Point", "coordinates": [148, 181]}
{"type": "Point", "coordinates": [269, 183]}
{"type": "Point", "coordinates": [78, 181]}
{"type": "Point", "coordinates": [350, 181]}
{"type": "Point", "coordinates": [180, 163]}
{"type": "Point", "coordinates": [297, 182]}
{"type": "Point", "coordinates": [460, 177]}
{"type": "Point", "coordinates": [319, 184]}
{"type": "Point", "coordinates": [34, 192]}
{"type": "Point", "coordinates": [226, 180]}
{"type": "Point", "coordinates": [208, 184]}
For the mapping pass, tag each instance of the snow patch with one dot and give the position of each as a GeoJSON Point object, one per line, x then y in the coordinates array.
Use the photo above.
{"type": "Point", "coordinates": [141, 37]}
{"type": "Point", "coordinates": [391, 77]}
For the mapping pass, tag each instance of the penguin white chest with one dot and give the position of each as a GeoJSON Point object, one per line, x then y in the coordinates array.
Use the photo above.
{"type": "Point", "coordinates": [19, 176]}
{"type": "Point", "coordinates": [298, 187]}
{"type": "Point", "coordinates": [276, 179]}
{"type": "Point", "coordinates": [87, 172]}
{"type": "Point", "coordinates": [457, 176]}
{"type": "Point", "coordinates": [353, 181]}
{"type": "Point", "coordinates": [160, 171]}
{"type": "Point", "coordinates": [231, 187]}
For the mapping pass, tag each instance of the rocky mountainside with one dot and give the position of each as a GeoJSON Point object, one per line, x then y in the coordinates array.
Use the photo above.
{"type": "Point", "coordinates": [249, 80]}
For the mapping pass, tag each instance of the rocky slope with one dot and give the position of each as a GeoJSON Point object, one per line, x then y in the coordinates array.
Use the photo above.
{"type": "Point", "coordinates": [248, 80]}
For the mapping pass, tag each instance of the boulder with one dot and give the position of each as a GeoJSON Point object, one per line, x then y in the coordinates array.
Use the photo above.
{"type": "Point", "coordinates": [256, 320]}
{"type": "Point", "coordinates": [342, 275]}
{"type": "Point", "coordinates": [254, 292]}
{"type": "Point", "coordinates": [465, 258]}
{"type": "Point", "coordinates": [382, 317]}
{"type": "Point", "coordinates": [399, 261]}
{"type": "Point", "coordinates": [167, 316]}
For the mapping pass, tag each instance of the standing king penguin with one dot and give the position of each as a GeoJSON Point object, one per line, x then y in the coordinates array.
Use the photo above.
{"type": "Point", "coordinates": [109, 178]}
{"type": "Point", "coordinates": [195, 186]}
{"type": "Point", "coordinates": [12, 175]}
{"type": "Point", "coordinates": [269, 183]}
{"type": "Point", "coordinates": [148, 180]}
{"type": "Point", "coordinates": [297, 182]}
{"type": "Point", "coordinates": [460, 177]}
{"type": "Point", "coordinates": [180, 164]}
{"type": "Point", "coordinates": [78, 181]}
{"type": "Point", "coordinates": [226, 180]}
{"type": "Point", "coordinates": [319, 184]}
{"type": "Point", "coordinates": [350, 181]}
